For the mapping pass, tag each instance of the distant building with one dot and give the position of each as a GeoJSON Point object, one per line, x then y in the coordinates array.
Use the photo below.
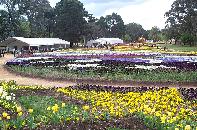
{"type": "Point", "coordinates": [21, 43]}
{"type": "Point", "coordinates": [104, 42]}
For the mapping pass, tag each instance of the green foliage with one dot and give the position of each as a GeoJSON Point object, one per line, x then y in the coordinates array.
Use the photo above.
{"type": "Point", "coordinates": [134, 31]}
{"type": "Point", "coordinates": [154, 34]}
{"type": "Point", "coordinates": [181, 19]}
{"type": "Point", "coordinates": [112, 26]}
{"type": "Point", "coordinates": [70, 20]}
{"type": "Point", "coordinates": [115, 74]}
{"type": "Point", "coordinates": [187, 38]}
{"type": "Point", "coordinates": [4, 25]}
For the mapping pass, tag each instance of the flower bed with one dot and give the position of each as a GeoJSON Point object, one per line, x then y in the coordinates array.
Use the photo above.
{"type": "Point", "coordinates": [98, 107]}
{"type": "Point", "coordinates": [108, 65]}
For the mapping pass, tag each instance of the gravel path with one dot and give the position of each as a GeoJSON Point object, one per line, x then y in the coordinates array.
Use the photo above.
{"type": "Point", "coordinates": [21, 80]}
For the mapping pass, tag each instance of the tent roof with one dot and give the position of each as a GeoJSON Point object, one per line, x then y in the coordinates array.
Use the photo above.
{"type": "Point", "coordinates": [109, 40]}
{"type": "Point", "coordinates": [35, 41]}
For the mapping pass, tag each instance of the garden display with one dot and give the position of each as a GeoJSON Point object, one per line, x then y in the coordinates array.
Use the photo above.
{"type": "Point", "coordinates": [87, 106]}
{"type": "Point", "coordinates": [109, 65]}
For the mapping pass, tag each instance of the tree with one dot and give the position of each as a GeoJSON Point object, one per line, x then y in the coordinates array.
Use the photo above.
{"type": "Point", "coordinates": [35, 11]}
{"type": "Point", "coordinates": [112, 26]}
{"type": "Point", "coordinates": [102, 23]}
{"type": "Point", "coordinates": [4, 30]}
{"type": "Point", "coordinates": [24, 28]}
{"type": "Point", "coordinates": [70, 20]}
{"type": "Point", "coordinates": [154, 34]}
{"type": "Point", "coordinates": [13, 16]}
{"type": "Point", "coordinates": [134, 31]}
{"type": "Point", "coordinates": [187, 38]}
{"type": "Point", "coordinates": [182, 17]}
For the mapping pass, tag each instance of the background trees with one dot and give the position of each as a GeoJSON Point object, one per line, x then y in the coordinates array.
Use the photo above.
{"type": "Point", "coordinates": [134, 31]}
{"type": "Point", "coordinates": [182, 20]}
{"type": "Point", "coordinates": [154, 34]}
{"type": "Point", "coordinates": [70, 20]}
{"type": "Point", "coordinates": [4, 33]}
{"type": "Point", "coordinates": [112, 26]}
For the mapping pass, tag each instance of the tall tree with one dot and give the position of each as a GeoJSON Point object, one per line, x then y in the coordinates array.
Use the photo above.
{"type": "Point", "coordinates": [35, 11]}
{"type": "Point", "coordinates": [135, 31]}
{"type": "Point", "coordinates": [13, 16]}
{"type": "Point", "coordinates": [154, 34]}
{"type": "Point", "coordinates": [182, 17]}
{"type": "Point", "coordinates": [70, 20]}
{"type": "Point", "coordinates": [112, 26]}
{"type": "Point", "coordinates": [102, 23]}
{"type": "Point", "coordinates": [4, 30]}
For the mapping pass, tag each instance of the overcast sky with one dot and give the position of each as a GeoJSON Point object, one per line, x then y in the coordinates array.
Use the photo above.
{"type": "Point", "coordinates": [148, 13]}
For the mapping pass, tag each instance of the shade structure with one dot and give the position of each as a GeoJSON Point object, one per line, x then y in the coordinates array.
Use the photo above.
{"type": "Point", "coordinates": [104, 41]}
{"type": "Point", "coordinates": [21, 42]}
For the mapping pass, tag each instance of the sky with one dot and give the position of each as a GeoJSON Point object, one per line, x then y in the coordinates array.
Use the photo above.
{"type": "Point", "coordinates": [148, 13]}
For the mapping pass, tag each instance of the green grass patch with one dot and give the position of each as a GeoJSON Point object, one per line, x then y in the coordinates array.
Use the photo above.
{"type": "Point", "coordinates": [184, 48]}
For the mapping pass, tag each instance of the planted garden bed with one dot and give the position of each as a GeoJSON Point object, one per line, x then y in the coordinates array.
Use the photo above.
{"type": "Point", "coordinates": [148, 67]}
{"type": "Point", "coordinates": [97, 107]}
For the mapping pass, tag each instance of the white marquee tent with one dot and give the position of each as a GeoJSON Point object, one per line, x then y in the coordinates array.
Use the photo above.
{"type": "Point", "coordinates": [104, 41]}
{"type": "Point", "coordinates": [21, 42]}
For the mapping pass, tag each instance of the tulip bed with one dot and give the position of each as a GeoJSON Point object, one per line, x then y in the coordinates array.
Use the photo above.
{"type": "Point", "coordinates": [97, 107]}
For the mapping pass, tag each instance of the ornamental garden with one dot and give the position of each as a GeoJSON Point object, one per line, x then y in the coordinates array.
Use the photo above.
{"type": "Point", "coordinates": [105, 107]}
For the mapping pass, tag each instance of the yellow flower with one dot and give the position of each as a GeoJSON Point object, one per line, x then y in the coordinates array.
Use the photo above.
{"type": "Point", "coordinates": [55, 108]}
{"type": "Point", "coordinates": [0, 118]}
{"type": "Point", "coordinates": [68, 119]}
{"type": "Point", "coordinates": [86, 107]}
{"type": "Point", "coordinates": [63, 104]}
{"type": "Point", "coordinates": [20, 113]}
{"type": "Point", "coordinates": [48, 108]}
{"type": "Point", "coordinates": [77, 118]}
{"type": "Point", "coordinates": [4, 114]}
{"type": "Point", "coordinates": [8, 117]}
{"type": "Point", "coordinates": [176, 129]}
{"type": "Point", "coordinates": [30, 110]}
{"type": "Point", "coordinates": [187, 127]}
{"type": "Point", "coordinates": [163, 119]}
{"type": "Point", "coordinates": [18, 109]}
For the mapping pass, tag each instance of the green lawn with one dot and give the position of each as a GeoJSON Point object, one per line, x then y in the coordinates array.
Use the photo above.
{"type": "Point", "coordinates": [185, 48]}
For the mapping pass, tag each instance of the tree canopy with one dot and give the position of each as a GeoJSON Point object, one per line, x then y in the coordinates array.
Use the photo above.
{"type": "Point", "coordinates": [134, 31]}
{"type": "Point", "coordinates": [112, 26]}
{"type": "Point", "coordinates": [182, 19]}
{"type": "Point", "coordinates": [70, 20]}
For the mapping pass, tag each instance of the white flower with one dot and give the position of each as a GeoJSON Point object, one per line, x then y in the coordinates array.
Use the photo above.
{"type": "Point", "coordinates": [4, 94]}
{"type": "Point", "coordinates": [8, 98]}
{"type": "Point", "coordinates": [1, 90]}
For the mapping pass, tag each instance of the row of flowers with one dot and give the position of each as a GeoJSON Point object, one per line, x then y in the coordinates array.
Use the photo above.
{"type": "Point", "coordinates": [164, 109]}
{"type": "Point", "coordinates": [159, 108]}
{"type": "Point", "coordinates": [108, 58]}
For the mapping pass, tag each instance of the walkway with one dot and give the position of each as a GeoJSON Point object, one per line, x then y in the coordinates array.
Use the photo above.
{"type": "Point", "coordinates": [7, 76]}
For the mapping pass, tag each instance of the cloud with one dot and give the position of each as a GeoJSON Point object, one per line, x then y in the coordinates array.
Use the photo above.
{"type": "Point", "coordinates": [148, 13]}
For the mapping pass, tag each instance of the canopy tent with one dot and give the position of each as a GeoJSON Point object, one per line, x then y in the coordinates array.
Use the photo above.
{"type": "Point", "coordinates": [104, 41]}
{"type": "Point", "coordinates": [21, 42]}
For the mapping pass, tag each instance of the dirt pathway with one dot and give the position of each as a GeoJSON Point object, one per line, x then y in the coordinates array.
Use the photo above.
{"type": "Point", "coordinates": [21, 80]}
{"type": "Point", "coordinates": [7, 76]}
